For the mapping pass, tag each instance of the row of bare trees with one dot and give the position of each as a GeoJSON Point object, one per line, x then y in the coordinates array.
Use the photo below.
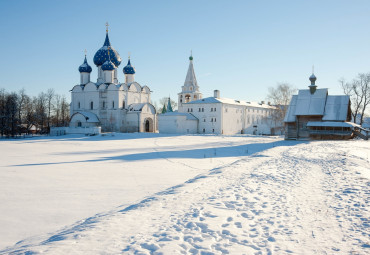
{"type": "Point", "coordinates": [19, 112]}
{"type": "Point", "coordinates": [359, 91]}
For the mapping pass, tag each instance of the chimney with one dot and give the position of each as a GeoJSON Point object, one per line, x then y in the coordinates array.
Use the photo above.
{"type": "Point", "coordinates": [217, 93]}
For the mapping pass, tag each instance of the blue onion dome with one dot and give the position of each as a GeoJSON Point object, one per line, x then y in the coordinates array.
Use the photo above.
{"type": "Point", "coordinates": [129, 69]}
{"type": "Point", "coordinates": [108, 66]}
{"type": "Point", "coordinates": [85, 67]}
{"type": "Point", "coordinates": [101, 56]}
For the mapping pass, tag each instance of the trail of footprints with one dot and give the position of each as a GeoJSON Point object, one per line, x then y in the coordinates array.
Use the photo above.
{"type": "Point", "coordinates": [233, 217]}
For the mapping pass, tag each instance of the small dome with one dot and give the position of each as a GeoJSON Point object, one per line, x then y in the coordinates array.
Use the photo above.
{"type": "Point", "coordinates": [313, 78]}
{"type": "Point", "coordinates": [108, 66]}
{"type": "Point", "coordinates": [129, 69]}
{"type": "Point", "coordinates": [101, 56]}
{"type": "Point", "coordinates": [85, 67]}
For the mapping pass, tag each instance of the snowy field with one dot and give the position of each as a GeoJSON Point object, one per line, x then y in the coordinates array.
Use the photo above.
{"type": "Point", "coordinates": [158, 194]}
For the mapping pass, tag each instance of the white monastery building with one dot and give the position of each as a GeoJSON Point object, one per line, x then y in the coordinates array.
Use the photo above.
{"type": "Point", "coordinates": [115, 106]}
{"type": "Point", "coordinates": [214, 115]}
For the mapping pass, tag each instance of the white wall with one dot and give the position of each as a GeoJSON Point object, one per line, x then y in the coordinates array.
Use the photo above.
{"type": "Point", "coordinates": [175, 124]}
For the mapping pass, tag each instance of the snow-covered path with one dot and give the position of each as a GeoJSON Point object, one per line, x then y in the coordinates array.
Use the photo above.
{"type": "Point", "coordinates": [291, 197]}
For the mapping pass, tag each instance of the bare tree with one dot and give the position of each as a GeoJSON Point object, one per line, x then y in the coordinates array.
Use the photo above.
{"type": "Point", "coordinates": [359, 92]}
{"type": "Point", "coordinates": [49, 103]}
{"type": "Point", "coordinates": [280, 96]}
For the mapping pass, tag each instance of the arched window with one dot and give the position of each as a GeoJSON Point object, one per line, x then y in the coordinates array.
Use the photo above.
{"type": "Point", "coordinates": [91, 105]}
{"type": "Point", "coordinates": [187, 98]}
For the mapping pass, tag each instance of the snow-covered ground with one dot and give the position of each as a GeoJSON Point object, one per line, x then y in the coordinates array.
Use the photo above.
{"type": "Point", "coordinates": [157, 194]}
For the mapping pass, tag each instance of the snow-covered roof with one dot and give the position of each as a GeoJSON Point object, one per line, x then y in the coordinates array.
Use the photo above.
{"type": "Point", "coordinates": [311, 104]}
{"type": "Point", "coordinates": [136, 107]}
{"type": "Point", "coordinates": [336, 108]}
{"type": "Point", "coordinates": [89, 116]}
{"type": "Point", "coordinates": [290, 114]}
{"type": "Point", "coordinates": [211, 100]}
{"type": "Point", "coordinates": [188, 116]}
{"type": "Point", "coordinates": [332, 108]}
{"type": "Point", "coordinates": [330, 124]}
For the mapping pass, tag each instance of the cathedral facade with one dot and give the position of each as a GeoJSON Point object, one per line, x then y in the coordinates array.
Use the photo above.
{"type": "Point", "coordinates": [107, 103]}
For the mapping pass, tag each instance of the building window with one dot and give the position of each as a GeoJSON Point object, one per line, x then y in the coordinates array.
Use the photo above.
{"type": "Point", "coordinates": [204, 119]}
{"type": "Point", "coordinates": [112, 104]}
{"type": "Point", "coordinates": [187, 98]}
{"type": "Point", "coordinates": [215, 109]}
{"type": "Point", "coordinates": [191, 88]}
{"type": "Point", "coordinates": [225, 109]}
{"type": "Point", "coordinates": [211, 119]}
{"type": "Point", "coordinates": [103, 104]}
{"type": "Point", "coordinates": [204, 130]}
{"type": "Point", "coordinates": [79, 105]}
{"type": "Point", "coordinates": [202, 109]}
{"type": "Point", "coordinates": [215, 119]}
{"type": "Point", "coordinates": [191, 109]}
{"type": "Point", "coordinates": [123, 104]}
{"type": "Point", "coordinates": [199, 110]}
{"type": "Point", "coordinates": [91, 105]}
{"type": "Point", "coordinates": [213, 130]}
{"type": "Point", "coordinates": [195, 96]}
{"type": "Point", "coordinates": [188, 110]}
{"type": "Point", "coordinates": [79, 124]}
{"type": "Point", "coordinates": [211, 109]}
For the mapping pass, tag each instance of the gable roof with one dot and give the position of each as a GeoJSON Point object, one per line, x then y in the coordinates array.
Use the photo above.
{"type": "Point", "coordinates": [332, 108]}
{"type": "Point", "coordinates": [311, 104]}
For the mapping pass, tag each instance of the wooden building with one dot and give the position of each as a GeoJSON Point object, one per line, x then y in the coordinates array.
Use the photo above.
{"type": "Point", "coordinates": [313, 115]}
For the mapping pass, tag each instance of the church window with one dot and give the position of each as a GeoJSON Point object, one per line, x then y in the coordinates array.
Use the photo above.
{"type": "Point", "coordinates": [191, 109]}
{"type": "Point", "coordinates": [213, 130]}
{"type": "Point", "coordinates": [199, 110]}
{"type": "Point", "coordinates": [211, 119]}
{"type": "Point", "coordinates": [180, 100]}
{"type": "Point", "coordinates": [187, 98]}
{"type": "Point", "coordinates": [112, 104]}
{"type": "Point", "coordinates": [204, 130]}
{"type": "Point", "coordinates": [215, 119]}
{"type": "Point", "coordinates": [202, 109]}
{"type": "Point", "coordinates": [211, 109]}
{"type": "Point", "coordinates": [215, 109]}
{"type": "Point", "coordinates": [204, 119]}
{"type": "Point", "coordinates": [188, 110]}
{"type": "Point", "coordinates": [91, 105]}
{"type": "Point", "coordinates": [79, 105]}
{"type": "Point", "coordinates": [123, 104]}
{"type": "Point", "coordinates": [103, 104]}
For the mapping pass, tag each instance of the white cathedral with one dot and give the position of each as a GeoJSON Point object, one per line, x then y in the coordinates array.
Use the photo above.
{"type": "Point", "coordinates": [107, 103]}
{"type": "Point", "coordinates": [214, 115]}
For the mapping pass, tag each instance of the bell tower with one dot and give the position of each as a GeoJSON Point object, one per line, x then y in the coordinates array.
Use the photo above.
{"type": "Point", "coordinates": [190, 90]}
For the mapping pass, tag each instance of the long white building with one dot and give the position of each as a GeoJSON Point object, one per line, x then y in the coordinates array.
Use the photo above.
{"type": "Point", "coordinates": [115, 106]}
{"type": "Point", "coordinates": [214, 115]}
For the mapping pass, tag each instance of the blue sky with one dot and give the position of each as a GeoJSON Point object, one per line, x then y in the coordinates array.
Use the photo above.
{"type": "Point", "coordinates": [239, 47]}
